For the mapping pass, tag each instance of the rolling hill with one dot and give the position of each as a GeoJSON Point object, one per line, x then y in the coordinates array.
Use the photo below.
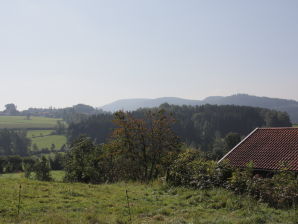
{"type": "Point", "coordinates": [134, 104]}
{"type": "Point", "coordinates": [289, 106]}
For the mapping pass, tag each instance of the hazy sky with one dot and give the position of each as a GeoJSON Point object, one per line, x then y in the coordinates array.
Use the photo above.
{"type": "Point", "coordinates": [63, 52]}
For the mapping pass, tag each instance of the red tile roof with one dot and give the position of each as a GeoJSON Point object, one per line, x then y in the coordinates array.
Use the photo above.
{"type": "Point", "coordinates": [267, 148]}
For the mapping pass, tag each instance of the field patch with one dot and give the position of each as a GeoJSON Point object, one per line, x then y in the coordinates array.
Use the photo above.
{"type": "Point", "coordinates": [44, 139]}
{"type": "Point", "coordinates": [57, 202]}
{"type": "Point", "coordinates": [21, 122]}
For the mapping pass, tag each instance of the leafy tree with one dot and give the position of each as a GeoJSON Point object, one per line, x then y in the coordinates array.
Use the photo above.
{"type": "Point", "coordinates": [42, 169]}
{"type": "Point", "coordinates": [57, 162]}
{"type": "Point", "coordinates": [14, 142]}
{"type": "Point", "coordinates": [143, 148]}
{"type": "Point", "coordinates": [60, 128]}
{"type": "Point", "coordinates": [219, 148]}
{"type": "Point", "coordinates": [232, 139]}
{"type": "Point", "coordinates": [277, 119]}
{"type": "Point", "coordinates": [11, 109]}
{"type": "Point", "coordinates": [28, 166]}
{"type": "Point", "coordinates": [82, 162]}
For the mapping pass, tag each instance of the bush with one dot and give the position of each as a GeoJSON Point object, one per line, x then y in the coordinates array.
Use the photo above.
{"type": "Point", "coordinates": [190, 169]}
{"type": "Point", "coordinates": [240, 181]}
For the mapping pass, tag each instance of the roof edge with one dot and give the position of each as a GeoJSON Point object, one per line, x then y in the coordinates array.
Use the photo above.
{"type": "Point", "coordinates": [277, 128]}
{"type": "Point", "coordinates": [238, 144]}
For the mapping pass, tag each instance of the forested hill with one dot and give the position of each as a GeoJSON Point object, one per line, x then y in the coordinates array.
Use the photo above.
{"type": "Point", "coordinates": [200, 126]}
{"type": "Point", "coordinates": [289, 106]}
{"type": "Point", "coordinates": [134, 104]}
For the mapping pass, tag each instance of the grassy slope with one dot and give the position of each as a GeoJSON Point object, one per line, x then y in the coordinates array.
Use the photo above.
{"type": "Point", "coordinates": [39, 138]}
{"type": "Point", "coordinates": [21, 122]}
{"type": "Point", "coordinates": [53, 202]}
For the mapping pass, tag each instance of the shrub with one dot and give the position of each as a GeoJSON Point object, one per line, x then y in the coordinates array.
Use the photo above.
{"type": "Point", "coordinates": [190, 169]}
{"type": "Point", "coordinates": [240, 181]}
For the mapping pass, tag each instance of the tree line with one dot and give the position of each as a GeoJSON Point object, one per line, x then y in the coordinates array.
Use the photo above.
{"type": "Point", "coordinates": [68, 114]}
{"type": "Point", "coordinates": [208, 127]}
{"type": "Point", "coordinates": [198, 126]}
{"type": "Point", "coordinates": [14, 142]}
{"type": "Point", "coordinates": [138, 149]}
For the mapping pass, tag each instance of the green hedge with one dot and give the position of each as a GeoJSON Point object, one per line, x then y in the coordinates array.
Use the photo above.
{"type": "Point", "coordinates": [190, 169]}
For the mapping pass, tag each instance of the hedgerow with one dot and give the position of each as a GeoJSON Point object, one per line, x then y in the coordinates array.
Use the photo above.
{"type": "Point", "coordinates": [190, 169]}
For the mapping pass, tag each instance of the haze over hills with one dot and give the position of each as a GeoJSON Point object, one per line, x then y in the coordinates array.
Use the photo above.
{"type": "Point", "coordinates": [134, 104]}
{"type": "Point", "coordinates": [289, 106]}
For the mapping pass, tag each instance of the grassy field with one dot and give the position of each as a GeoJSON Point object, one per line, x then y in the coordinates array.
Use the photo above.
{"type": "Point", "coordinates": [57, 202]}
{"type": "Point", "coordinates": [295, 125]}
{"type": "Point", "coordinates": [38, 133]}
{"type": "Point", "coordinates": [43, 139]}
{"type": "Point", "coordinates": [20, 122]}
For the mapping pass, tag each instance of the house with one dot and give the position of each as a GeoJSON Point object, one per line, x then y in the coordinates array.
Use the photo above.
{"type": "Point", "coordinates": [269, 149]}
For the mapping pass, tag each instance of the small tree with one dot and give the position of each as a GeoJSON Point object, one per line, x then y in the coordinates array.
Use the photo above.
{"type": "Point", "coordinates": [142, 149]}
{"type": "Point", "coordinates": [28, 165]}
{"type": "Point", "coordinates": [11, 109]}
{"type": "Point", "coordinates": [60, 128]}
{"type": "Point", "coordinates": [219, 148]}
{"type": "Point", "coordinates": [42, 169]}
{"type": "Point", "coordinates": [57, 162]}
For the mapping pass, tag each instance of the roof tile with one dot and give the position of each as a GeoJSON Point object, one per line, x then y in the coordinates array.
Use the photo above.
{"type": "Point", "coordinates": [267, 148]}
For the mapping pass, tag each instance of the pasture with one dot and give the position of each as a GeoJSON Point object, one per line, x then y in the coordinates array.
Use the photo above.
{"type": "Point", "coordinates": [57, 202]}
{"type": "Point", "coordinates": [21, 122]}
{"type": "Point", "coordinates": [43, 139]}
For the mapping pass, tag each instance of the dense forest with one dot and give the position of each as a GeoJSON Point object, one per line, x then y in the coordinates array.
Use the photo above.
{"type": "Point", "coordinates": [198, 126]}
{"type": "Point", "coordinates": [289, 106]}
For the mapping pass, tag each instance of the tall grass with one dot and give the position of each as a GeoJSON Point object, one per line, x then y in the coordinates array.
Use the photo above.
{"type": "Point", "coordinates": [56, 202]}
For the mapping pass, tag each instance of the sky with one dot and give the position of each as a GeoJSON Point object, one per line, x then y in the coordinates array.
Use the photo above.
{"type": "Point", "coordinates": [64, 52]}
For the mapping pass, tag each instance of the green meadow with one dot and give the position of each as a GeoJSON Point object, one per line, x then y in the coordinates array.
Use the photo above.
{"type": "Point", "coordinates": [42, 136]}
{"type": "Point", "coordinates": [45, 139]}
{"type": "Point", "coordinates": [21, 122]}
{"type": "Point", "coordinates": [58, 202]}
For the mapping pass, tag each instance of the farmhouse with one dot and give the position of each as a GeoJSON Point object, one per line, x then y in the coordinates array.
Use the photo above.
{"type": "Point", "coordinates": [269, 149]}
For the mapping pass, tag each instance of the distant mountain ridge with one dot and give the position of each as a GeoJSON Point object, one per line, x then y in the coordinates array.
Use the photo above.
{"type": "Point", "coordinates": [289, 106]}
{"type": "Point", "coordinates": [134, 104]}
